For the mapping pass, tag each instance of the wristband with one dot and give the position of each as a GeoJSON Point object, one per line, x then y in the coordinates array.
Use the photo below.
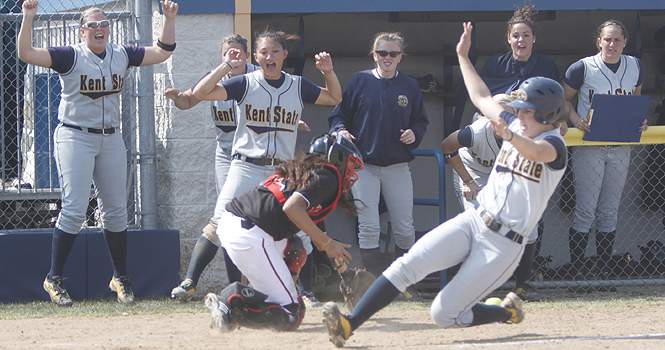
{"type": "Point", "coordinates": [469, 181]}
{"type": "Point", "coordinates": [228, 65]}
{"type": "Point", "coordinates": [167, 47]}
{"type": "Point", "coordinates": [323, 247]}
{"type": "Point", "coordinates": [450, 155]}
{"type": "Point", "coordinates": [512, 134]}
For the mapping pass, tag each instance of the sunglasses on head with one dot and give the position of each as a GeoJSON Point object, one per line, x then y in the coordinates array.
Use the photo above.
{"type": "Point", "coordinates": [94, 24]}
{"type": "Point", "coordinates": [383, 53]}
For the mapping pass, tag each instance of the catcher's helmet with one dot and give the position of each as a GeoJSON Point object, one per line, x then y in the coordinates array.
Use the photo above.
{"type": "Point", "coordinates": [340, 152]}
{"type": "Point", "coordinates": [543, 94]}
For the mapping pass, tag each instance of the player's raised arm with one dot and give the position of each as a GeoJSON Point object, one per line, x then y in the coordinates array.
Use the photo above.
{"type": "Point", "coordinates": [166, 42]}
{"type": "Point", "coordinates": [331, 95]}
{"type": "Point", "coordinates": [26, 52]}
{"type": "Point", "coordinates": [478, 92]}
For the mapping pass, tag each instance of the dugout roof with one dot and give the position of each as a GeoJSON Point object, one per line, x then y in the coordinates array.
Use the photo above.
{"type": "Point", "coordinates": [316, 6]}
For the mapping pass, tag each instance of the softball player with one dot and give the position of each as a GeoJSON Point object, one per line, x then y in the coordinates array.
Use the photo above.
{"type": "Point", "coordinates": [504, 72]}
{"type": "Point", "coordinates": [88, 145]}
{"type": "Point", "coordinates": [270, 106]}
{"type": "Point", "coordinates": [259, 231]}
{"type": "Point", "coordinates": [383, 112]}
{"type": "Point", "coordinates": [600, 170]}
{"type": "Point", "coordinates": [488, 241]}
{"type": "Point", "coordinates": [224, 116]}
{"type": "Point", "coordinates": [471, 152]}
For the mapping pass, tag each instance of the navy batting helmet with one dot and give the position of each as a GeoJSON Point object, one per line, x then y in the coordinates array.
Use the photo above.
{"type": "Point", "coordinates": [543, 94]}
{"type": "Point", "coordinates": [341, 153]}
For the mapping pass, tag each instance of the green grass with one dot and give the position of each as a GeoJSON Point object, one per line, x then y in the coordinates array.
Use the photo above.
{"type": "Point", "coordinates": [98, 307]}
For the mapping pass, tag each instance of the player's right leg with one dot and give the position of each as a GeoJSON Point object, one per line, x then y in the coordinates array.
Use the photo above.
{"type": "Point", "coordinates": [366, 192]}
{"type": "Point", "coordinates": [74, 153]}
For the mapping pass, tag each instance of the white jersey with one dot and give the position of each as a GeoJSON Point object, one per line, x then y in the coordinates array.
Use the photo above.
{"type": "Point", "coordinates": [268, 125]}
{"type": "Point", "coordinates": [518, 189]}
{"type": "Point", "coordinates": [479, 158]}
{"type": "Point", "coordinates": [598, 79]}
{"type": "Point", "coordinates": [91, 88]}
{"type": "Point", "coordinates": [224, 115]}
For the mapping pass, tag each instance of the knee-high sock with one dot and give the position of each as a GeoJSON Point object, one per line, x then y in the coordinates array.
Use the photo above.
{"type": "Point", "coordinates": [61, 246]}
{"type": "Point", "coordinates": [306, 279]}
{"type": "Point", "coordinates": [232, 271]}
{"type": "Point", "coordinates": [117, 245]}
{"type": "Point", "coordinates": [604, 248]}
{"type": "Point", "coordinates": [373, 260]}
{"type": "Point", "coordinates": [379, 295]}
{"type": "Point", "coordinates": [203, 253]}
{"type": "Point", "coordinates": [523, 271]}
{"type": "Point", "coordinates": [577, 242]}
{"type": "Point", "coordinates": [483, 314]}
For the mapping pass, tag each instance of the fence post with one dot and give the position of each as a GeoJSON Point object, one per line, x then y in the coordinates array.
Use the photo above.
{"type": "Point", "coordinates": [146, 118]}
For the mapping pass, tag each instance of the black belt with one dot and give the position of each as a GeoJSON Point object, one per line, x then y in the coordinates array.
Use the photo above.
{"type": "Point", "coordinates": [246, 224]}
{"type": "Point", "coordinates": [107, 131]}
{"type": "Point", "coordinates": [489, 221]}
{"type": "Point", "coordinates": [263, 161]}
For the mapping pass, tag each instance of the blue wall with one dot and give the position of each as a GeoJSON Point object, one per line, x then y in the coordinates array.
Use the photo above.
{"type": "Point", "coordinates": [313, 6]}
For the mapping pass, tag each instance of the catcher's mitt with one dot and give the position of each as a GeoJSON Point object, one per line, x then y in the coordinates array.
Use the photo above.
{"type": "Point", "coordinates": [355, 282]}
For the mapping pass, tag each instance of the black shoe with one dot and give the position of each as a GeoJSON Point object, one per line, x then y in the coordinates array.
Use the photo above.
{"type": "Point", "coordinates": [528, 293]}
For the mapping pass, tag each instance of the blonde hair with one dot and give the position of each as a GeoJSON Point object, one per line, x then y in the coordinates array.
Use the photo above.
{"type": "Point", "coordinates": [386, 36]}
{"type": "Point", "coordinates": [88, 12]}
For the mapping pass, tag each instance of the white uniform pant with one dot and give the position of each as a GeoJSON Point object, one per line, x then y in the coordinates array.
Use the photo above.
{"type": "Point", "coordinates": [489, 260]}
{"type": "Point", "coordinates": [259, 257]}
{"type": "Point", "coordinates": [222, 165]}
{"type": "Point", "coordinates": [395, 184]}
{"type": "Point", "coordinates": [600, 175]}
{"type": "Point", "coordinates": [81, 158]}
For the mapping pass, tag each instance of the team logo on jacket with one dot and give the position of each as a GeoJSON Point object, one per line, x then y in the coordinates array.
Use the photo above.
{"type": "Point", "coordinates": [513, 162]}
{"type": "Point", "coordinates": [96, 87]}
{"type": "Point", "coordinates": [402, 100]}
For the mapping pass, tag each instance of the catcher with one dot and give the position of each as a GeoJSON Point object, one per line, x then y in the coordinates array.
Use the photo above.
{"type": "Point", "coordinates": [260, 235]}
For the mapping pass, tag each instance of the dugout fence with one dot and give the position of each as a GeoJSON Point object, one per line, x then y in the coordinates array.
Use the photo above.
{"type": "Point", "coordinates": [29, 188]}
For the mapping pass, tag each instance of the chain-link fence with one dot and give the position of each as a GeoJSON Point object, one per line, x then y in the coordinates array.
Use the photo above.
{"type": "Point", "coordinates": [29, 190]}
{"type": "Point", "coordinates": [583, 251]}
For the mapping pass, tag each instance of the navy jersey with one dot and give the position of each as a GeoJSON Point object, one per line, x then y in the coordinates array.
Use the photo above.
{"type": "Point", "coordinates": [503, 73]}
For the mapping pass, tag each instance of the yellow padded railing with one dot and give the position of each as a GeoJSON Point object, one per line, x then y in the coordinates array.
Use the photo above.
{"type": "Point", "coordinates": [653, 135]}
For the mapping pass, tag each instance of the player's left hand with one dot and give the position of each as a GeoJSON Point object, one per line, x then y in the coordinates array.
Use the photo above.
{"type": "Point", "coordinates": [172, 93]}
{"type": "Point", "coordinates": [407, 137]}
{"type": "Point", "coordinates": [169, 8]}
{"type": "Point", "coordinates": [644, 126]}
{"type": "Point", "coordinates": [563, 127]}
{"type": "Point", "coordinates": [303, 126]}
{"type": "Point", "coordinates": [464, 43]}
{"type": "Point", "coordinates": [324, 62]}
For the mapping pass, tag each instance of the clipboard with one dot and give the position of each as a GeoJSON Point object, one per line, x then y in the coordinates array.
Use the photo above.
{"type": "Point", "coordinates": [616, 118]}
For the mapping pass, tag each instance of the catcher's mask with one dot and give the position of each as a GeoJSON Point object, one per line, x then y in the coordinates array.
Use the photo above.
{"type": "Point", "coordinates": [340, 152]}
{"type": "Point", "coordinates": [543, 94]}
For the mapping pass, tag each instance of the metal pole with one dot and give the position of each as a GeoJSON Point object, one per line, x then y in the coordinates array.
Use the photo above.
{"type": "Point", "coordinates": [146, 119]}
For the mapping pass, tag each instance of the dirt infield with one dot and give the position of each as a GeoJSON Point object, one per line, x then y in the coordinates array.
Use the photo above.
{"type": "Point", "coordinates": [622, 328]}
